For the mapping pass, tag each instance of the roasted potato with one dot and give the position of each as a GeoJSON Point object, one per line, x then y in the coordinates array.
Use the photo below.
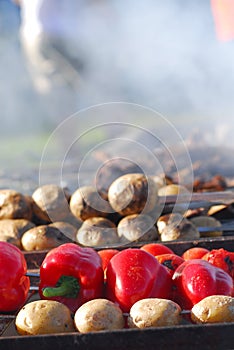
{"type": "Point", "coordinates": [66, 229]}
{"type": "Point", "coordinates": [207, 221]}
{"type": "Point", "coordinates": [44, 317]}
{"type": "Point", "coordinates": [133, 194]}
{"type": "Point", "coordinates": [137, 227]}
{"type": "Point", "coordinates": [11, 230]}
{"type": "Point", "coordinates": [172, 189]}
{"type": "Point", "coordinates": [154, 312]}
{"type": "Point", "coordinates": [174, 226]}
{"type": "Point", "coordinates": [98, 315]}
{"type": "Point", "coordinates": [213, 309]}
{"type": "Point", "coordinates": [43, 237]}
{"type": "Point", "coordinates": [110, 170]}
{"type": "Point", "coordinates": [96, 232]}
{"type": "Point", "coordinates": [50, 204]}
{"type": "Point", "coordinates": [86, 203]}
{"type": "Point", "coordinates": [14, 205]}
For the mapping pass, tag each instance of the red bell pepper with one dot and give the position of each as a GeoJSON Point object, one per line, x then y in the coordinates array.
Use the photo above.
{"type": "Point", "coordinates": [156, 249]}
{"type": "Point", "coordinates": [170, 261]}
{"type": "Point", "coordinates": [106, 255]}
{"type": "Point", "coordinates": [14, 284]}
{"type": "Point", "coordinates": [194, 253]}
{"type": "Point", "coordinates": [71, 275]}
{"type": "Point", "coordinates": [196, 279]}
{"type": "Point", "coordinates": [134, 274]}
{"type": "Point", "coordinates": [222, 259]}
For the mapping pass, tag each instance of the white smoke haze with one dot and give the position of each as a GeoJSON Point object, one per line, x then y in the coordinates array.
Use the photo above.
{"type": "Point", "coordinates": [159, 54]}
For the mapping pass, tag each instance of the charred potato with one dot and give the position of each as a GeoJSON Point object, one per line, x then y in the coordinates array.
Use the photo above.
{"type": "Point", "coordinates": [154, 312]}
{"type": "Point", "coordinates": [137, 228]}
{"type": "Point", "coordinates": [97, 231]}
{"type": "Point", "coordinates": [86, 203]}
{"type": "Point", "coordinates": [133, 194]}
{"type": "Point", "coordinates": [213, 309]}
{"type": "Point", "coordinates": [98, 315]}
{"type": "Point", "coordinates": [43, 237]}
{"type": "Point", "coordinates": [207, 221]}
{"type": "Point", "coordinates": [173, 227]}
{"type": "Point", "coordinates": [50, 203]}
{"type": "Point", "coordinates": [44, 317]}
{"type": "Point", "coordinates": [11, 230]}
{"type": "Point", "coordinates": [14, 205]}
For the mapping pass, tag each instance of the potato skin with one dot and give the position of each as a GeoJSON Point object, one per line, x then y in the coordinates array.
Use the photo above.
{"type": "Point", "coordinates": [110, 170]}
{"type": "Point", "coordinates": [86, 203]}
{"type": "Point", "coordinates": [43, 237]}
{"type": "Point", "coordinates": [98, 315]}
{"type": "Point", "coordinates": [97, 231]}
{"type": "Point", "coordinates": [209, 221]}
{"type": "Point", "coordinates": [11, 230]}
{"type": "Point", "coordinates": [213, 309]}
{"type": "Point", "coordinates": [14, 205]}
{"type": "Point", "coordinates": [44, 317]}
{"type": "Point", "coordinates": [154, 312]}
{"type": "Point", "coordinates": [174, 226]}
{"type": "Point", "coordinates": [133, 194]}
{"type": "Point", "coordinates": [67, 229]}
{"type": "Point", "coordinates": [172, 189]}
{"type": "Point", "coordinates": [138, 228]}
{"type": "Point", "coordinates": [50, 203]}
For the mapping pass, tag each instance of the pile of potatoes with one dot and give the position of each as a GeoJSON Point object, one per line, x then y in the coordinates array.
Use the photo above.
{"type": "Point", "coordinates": [49, 316]}
{"type": "Point", "coordinates": [129, 210]}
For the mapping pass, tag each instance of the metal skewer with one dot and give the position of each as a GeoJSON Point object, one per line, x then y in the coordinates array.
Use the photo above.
{"type": "Point", "coordinates": [214, 198]}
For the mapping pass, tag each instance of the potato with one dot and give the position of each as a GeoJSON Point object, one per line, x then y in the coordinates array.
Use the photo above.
{"type": "Point", "coordinates": [174, 226]}
{"type": "Point", "coordinates": [11, 230]}
{"type": "Point", "coordinates": [86, 203]}
{"type": "Point", "coordinates": [110, 170]}
{"type": "Point", "coordinates": [97, 231]}
{"type": "Point", "coordinates": [98, 315]}
{"type": "Point", "coordinates": [137, 228]}
{"type": "Point", "coordinates": [213, 309]}
{"type": "Point", "coordinates": [72, 220]}
{"type": "Point", "coordinates": [66, 229]}
{"type": "Point", "coordinates": [133, 194]}
{"type": "Point", "coordinates": [160, 180]}
{"type": "Point", "coordinates": [43, 237]}
{"type": "Point", "coordinates": [154, 312]}
{"type": "Point", "coordinates": [14, 205]}
{"type": "Point", "coordinates": [172, 189]}
{"type": "Point", "coordinates": [44, 317]}
{"type": "Point", "coordinates": [50, 203]}
{"type": "Point", "coordinates": [207, 221]}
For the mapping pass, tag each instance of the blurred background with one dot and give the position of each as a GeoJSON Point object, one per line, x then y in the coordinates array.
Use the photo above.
{"type": "Point", "coordinates": [59, 56]}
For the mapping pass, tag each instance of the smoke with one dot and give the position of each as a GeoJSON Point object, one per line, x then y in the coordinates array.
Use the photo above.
{"type": "Point", "coordinates": [161, 54]}
{"type": "Point", "coordinates": [164, 55]}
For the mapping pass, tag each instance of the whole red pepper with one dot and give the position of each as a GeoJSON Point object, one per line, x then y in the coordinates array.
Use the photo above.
{"type": "Point", "coordinates": [196, 279]}
{"type": "Point", "coordinates": [156, 249]}
{"type": "Point", "coordinates": [194, 253]}
{"type": "Point", "coordinates": [106, 255]}
{"type": "Point", "coordinates": [221, 258]}
{"type": "Point", "coordinates": [72, 275]}
{"type": "Point", "coordinates": [170, 261]}
{"type": "Point", "coordinates": [134, 274]}
{"type": "Point", "coordinates": [14, 284]}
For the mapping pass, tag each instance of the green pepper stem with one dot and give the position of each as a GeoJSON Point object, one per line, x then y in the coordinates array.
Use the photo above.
{"type": "Point", "coordinates": [67, 286]}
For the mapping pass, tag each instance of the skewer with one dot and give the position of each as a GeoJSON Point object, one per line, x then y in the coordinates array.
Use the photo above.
{"type": "Point", "coordinates": [223, 228]}
{"type": "Point", "coordinates": [32, 274]}
{"type": "Point", "coordinates": [221, 197]}
{"type": "Point", "coordinates": [183, 202]}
